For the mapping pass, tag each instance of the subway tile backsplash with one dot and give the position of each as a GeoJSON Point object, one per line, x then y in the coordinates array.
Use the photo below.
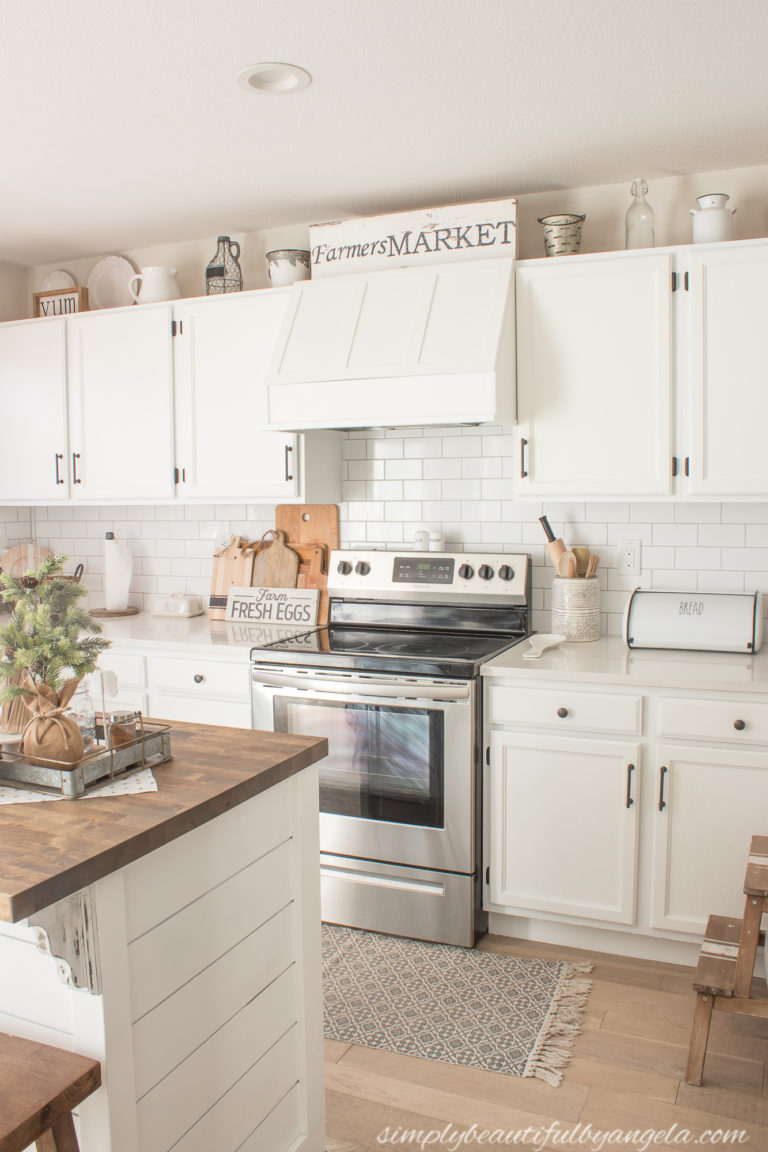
{"type": "Point", "coordinates": [397, 481]}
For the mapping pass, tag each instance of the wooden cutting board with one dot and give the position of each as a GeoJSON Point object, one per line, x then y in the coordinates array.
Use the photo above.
{"type": "Point", "coordinates": [275, 564]}
{"type": "Point", "coordinates": [232, 568]}
{"type": "Point", "coordinates": [309, 523]}
{"type": "Point", "coordinates": [313, 569]}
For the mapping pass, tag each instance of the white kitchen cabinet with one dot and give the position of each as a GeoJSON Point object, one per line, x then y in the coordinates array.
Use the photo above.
{"type": "Point", "coordinates": [567, 861]}
{"type": "Point", "coordinates": [33, 429]}
{"type": "Point", "coordinates": [594, 339]}
{"type": "Point", "coordinates": [120, 368]}
{"type": "Point", "coordinates": [222, 347]}
{"type": "Point", "coordinates": [727, 399]}
{"type": "Point", "coordinates": [563, 825]}
{"type": "Point", "coordinates": [204, 689]}
{"type": "Point", "coordinates": [709, 804]}
{"type": "Point", "coordinates": [428, 345]}
{"type": "Point", "coordinates": [642, 374]}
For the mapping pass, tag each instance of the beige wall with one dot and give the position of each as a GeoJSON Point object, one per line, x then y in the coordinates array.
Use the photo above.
{"type": "Point", "coordinates": [13, 292]}
{"type": "Point", "coordinates": [604, 205]}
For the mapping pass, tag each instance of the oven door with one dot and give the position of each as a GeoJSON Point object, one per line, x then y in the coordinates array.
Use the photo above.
{"type": "Point", "coordinates": [398, 784]}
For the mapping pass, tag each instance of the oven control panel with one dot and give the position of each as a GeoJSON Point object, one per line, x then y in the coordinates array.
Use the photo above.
{"type": "Point", "coordinates": [477, 576]}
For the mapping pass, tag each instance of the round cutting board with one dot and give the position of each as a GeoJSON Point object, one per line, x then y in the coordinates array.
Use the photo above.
{"type": "Point", "coordinates": [24, 558]}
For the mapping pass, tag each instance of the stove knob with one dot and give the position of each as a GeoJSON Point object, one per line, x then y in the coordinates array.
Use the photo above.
{"type": "Point", "coordinates": [506, 573]}
{"type": "Point", "coordinates": [466, 572]}
{"type": "Point", "coordinates": [362, 568]}
{"type": "Point", "coordinates": [344, 568]}
{"type": "Point", "coordinates": [485, 572]}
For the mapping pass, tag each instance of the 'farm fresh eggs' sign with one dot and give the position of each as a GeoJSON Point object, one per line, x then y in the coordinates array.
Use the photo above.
{"type": "Point", "coordinates": [402, 239]}
{"type": "Point", "coordinates": [272, 606]}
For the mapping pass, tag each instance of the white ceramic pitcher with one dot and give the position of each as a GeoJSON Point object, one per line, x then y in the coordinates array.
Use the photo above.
{"type": "Point", "coordinates": [155, 283]}
{"type": "Point", "coordinates": [712, 221]}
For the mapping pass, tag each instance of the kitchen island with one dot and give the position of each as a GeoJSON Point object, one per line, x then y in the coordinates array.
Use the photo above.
{"type": "Point", "coordinates": [175, 936]}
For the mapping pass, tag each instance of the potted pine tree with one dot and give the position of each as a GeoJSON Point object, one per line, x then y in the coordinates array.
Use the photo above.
{"type": "Point", "coordinates": [47, 646]}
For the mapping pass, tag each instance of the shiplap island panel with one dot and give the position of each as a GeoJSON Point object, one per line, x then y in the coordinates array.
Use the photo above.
{"type": "Point", "coordinates": [175, 936]}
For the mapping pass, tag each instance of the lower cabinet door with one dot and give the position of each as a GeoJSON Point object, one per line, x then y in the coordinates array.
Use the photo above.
{"type": "Point", "coordinates": [709, 803]}
{"type": "Point", "coordinates": [563, 825]}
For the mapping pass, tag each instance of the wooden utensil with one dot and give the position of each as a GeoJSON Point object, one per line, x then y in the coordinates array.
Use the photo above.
{"type": "Point", "coordinates": [566, 565]}
{"type": "Point", "coordinates": [582, 560]}
{"type": "Point", "coordinates": [275, 565]}
{"type": "Point", "coordinates": [593, 565]}
{"type": "Point", "coordinates": [313, 573]}
{"type": "Point", "coordinates": [232, 568]}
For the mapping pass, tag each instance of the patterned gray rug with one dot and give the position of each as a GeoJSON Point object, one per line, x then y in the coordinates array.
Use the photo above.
{"type": "Point", "coordinates": [458, 1005]}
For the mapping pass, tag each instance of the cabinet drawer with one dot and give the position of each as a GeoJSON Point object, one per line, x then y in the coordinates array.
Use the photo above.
{"type": "Point", "coordinates": [131, 671]}
{"type": "Point", "coordinates": [202, 677]}
{"type": "Point", "coordinates": [566, 710]}
{"type": "Point", "coordinates": [737, 721]}
{"type": "Point", "coordinates": [204, 710]}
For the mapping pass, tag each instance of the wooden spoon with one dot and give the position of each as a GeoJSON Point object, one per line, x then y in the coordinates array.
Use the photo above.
{"type": "Point", "coordinates": [566, 565]}
{"type": "Point", "coordinates": [593, 564]}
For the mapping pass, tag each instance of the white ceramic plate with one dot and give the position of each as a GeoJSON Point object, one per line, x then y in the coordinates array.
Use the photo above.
{"type": "Point", "coordinates": [108, 283]}
{"type": "Point", "coordinates": [57, 281]}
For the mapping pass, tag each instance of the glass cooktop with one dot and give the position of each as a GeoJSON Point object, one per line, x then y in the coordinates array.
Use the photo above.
{"type": "Point", "coordinates": [450, 654]}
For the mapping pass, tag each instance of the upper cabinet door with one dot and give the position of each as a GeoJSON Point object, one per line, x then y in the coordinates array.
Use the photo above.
{"type": "Point", "coordinates": [407, 346]}
{"type": "Point", "coordinates": [222, 347]}
{"type": "Point", "coordinates": [121, 404]}
{"type": "Point", "coordinates": [33, 429]}
{"type": "Point", "coordinates": [728, 410]}
{"type": "Point", "coordinates": [594, 377]}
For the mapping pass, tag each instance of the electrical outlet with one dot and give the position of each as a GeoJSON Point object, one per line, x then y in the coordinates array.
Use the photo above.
{"type": "Point", "coordinates": [628, 561]}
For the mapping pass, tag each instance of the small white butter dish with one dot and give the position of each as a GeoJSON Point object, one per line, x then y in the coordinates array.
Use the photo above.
{"type": "Point", "coordinates": [181, 606]}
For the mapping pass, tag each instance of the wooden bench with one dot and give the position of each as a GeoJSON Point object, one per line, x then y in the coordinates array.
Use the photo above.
{"type": "Point", "coordinates": [39, 1087]}
{"type": "Point", "coordinates": [723, 978]}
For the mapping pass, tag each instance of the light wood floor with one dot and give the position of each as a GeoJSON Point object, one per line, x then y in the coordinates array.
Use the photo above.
{"type": "Point", "coordinates": [625, 1073]}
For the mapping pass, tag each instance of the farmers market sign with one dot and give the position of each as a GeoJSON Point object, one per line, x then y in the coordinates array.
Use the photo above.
{"type": "Point", "coordinates": [433, 235]}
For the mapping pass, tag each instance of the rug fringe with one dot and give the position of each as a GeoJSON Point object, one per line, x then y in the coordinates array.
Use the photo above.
{"type": "Point", "coordinates": [553, 1049]}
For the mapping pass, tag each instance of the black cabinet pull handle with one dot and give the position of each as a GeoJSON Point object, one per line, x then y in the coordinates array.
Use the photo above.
{"type": "Point", "coordinates": [523, 446]}
{"type": "Point", "coordinates": [288, 473]}
{"type": "Point", "coordinates": [59, 456]}
{"type": "Point", "coordinates": [687, 465]}
{"type": "Point", "coordinates": [662, 801]}
{"type": "Point", "coordinates": [739, 725]}
{"type": "Point", "coordinates": [562, 713]}
{"type": "Point", "coordinates": [75, 478]}
{"type": "Point", "coordinates": [198, 678]}
{"type": "Point", "coordinates": [630, 770]}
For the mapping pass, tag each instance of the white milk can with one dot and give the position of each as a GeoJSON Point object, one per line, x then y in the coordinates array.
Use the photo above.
{"type": "Point", "coordinates": [712, 221]}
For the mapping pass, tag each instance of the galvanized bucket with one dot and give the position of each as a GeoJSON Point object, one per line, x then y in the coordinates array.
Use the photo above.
{"type": "Point", "coordinates": [562, 234]}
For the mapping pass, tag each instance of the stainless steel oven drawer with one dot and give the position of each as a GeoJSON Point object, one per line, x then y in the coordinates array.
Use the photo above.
{"type": "Point", "coordinates": [401, 901]}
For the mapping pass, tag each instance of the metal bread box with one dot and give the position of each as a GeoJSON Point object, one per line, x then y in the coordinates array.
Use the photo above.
{"type": "Point", "coordinates": [700, 621]}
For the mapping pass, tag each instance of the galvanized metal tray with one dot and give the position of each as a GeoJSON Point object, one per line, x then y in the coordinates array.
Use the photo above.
{"type": "Point", "coordinates": [152, 746]}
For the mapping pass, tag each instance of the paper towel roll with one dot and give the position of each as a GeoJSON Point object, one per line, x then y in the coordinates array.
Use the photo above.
{"type": "Point", "coordinates": [117, 574]}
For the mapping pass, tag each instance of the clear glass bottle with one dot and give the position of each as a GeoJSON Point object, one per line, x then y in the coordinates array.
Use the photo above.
{"type": "Point", "coordinates": [223, 272]}
{"type": "Point", "coordinates": [81, 710]}
{"type": "Point", "coordinates": [640, 218]}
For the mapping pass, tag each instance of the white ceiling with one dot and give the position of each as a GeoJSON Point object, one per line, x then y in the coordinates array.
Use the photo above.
{"type": "Point", "coordinates": [122, 125]}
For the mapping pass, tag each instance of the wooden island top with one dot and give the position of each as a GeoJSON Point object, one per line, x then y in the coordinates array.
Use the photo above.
{"type": "Point", "coordinates": [51, 849]}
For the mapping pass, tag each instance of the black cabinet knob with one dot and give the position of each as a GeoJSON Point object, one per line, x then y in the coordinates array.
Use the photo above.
{"type": "Point", "coordinates": [198, 678]}
{"type": "Point", "coordinates": [562, 713]}
{"type": "Point", "coordinates": [739, 725]}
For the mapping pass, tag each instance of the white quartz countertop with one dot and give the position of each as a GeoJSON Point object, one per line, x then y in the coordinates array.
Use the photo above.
{"type": "Point", "coordinates": [609, 661]}
{"type": "Point", "coordinates": [194, 634]}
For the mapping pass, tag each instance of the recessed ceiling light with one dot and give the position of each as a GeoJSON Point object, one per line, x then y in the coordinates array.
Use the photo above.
{"type": "Point", "coordinates": [274, 79]}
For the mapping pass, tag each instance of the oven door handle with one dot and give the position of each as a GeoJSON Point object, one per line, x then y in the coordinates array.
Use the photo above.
{"type": "Point", "coordinates": [352, 689]}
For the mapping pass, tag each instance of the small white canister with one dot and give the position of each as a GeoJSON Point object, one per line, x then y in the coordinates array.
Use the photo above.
{"type": "Point", "coordinates": [576, 607]}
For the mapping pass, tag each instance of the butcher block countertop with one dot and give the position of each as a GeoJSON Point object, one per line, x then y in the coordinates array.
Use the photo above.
{"type": "Point", "coordinates": [48, 850]}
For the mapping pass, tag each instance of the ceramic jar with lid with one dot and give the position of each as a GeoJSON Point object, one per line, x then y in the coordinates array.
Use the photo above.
{"type": "Point", "coordinates": [712, 220]}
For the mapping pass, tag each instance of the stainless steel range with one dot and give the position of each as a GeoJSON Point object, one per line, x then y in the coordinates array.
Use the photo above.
{"type": "Point", "coordinates": [393, 683]}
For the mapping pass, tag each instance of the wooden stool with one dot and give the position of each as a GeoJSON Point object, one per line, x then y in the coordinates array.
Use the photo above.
{"type": "Point", "coordinates": [723, 978]}
{"type": "Point", "coordinates": [39, 1087]}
